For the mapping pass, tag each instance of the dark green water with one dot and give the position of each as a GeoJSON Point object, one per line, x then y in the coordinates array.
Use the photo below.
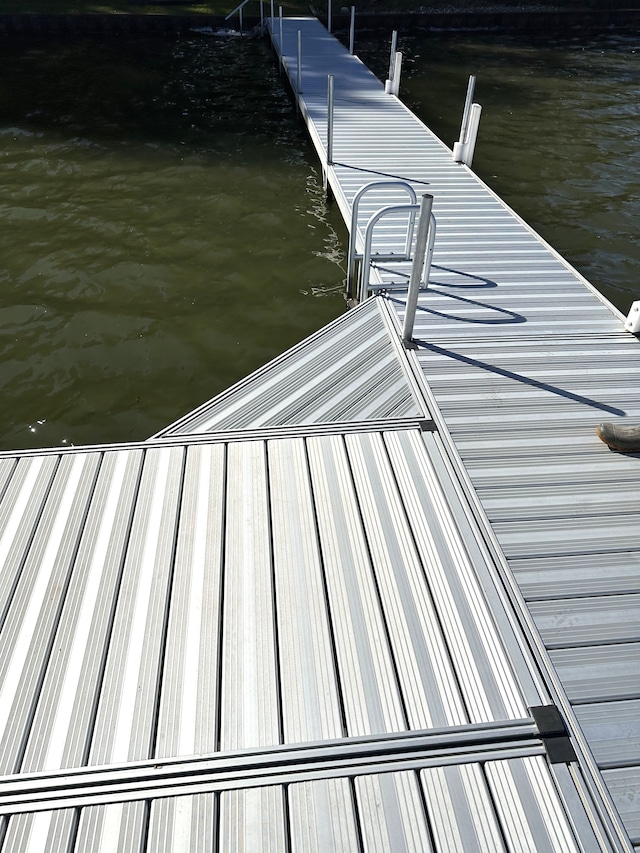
{"type": "Point", "coordinates": [559, 135]}
{"type": "Point", "coordinates": [163, 231]}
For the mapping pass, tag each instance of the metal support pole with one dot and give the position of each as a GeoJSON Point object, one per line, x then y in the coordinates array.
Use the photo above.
{"type": "Point", "coordinates": [474, 122]}
{"type": "Point", "coordinates": [352, 30]}
{"type": "Point", "coordinates": [417, 267]}
{"type": "Point", "coordinates": [329, 17]}
{"type": "Point", "coordinates": [262, 14]}
{"type": "Point", "coordinates": [330, 120]}
{"type": "Point", "coordinates": [241, 28]}
{"type": "Point", "coordinates": [397, 71]}
{"type": "Point", "coordinates": [299, 69]}
{"type": "Point", "coordinates": [466, 114]}
{"type": "Point", "coordinates": [392, 57]}
{"type": "Point", "coordinates": [281, 50]}
{"type": "Point", "coordinates": [273, 18]}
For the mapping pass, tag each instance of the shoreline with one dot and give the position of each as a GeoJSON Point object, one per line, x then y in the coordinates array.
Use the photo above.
{"type": "Point", "coordinates": [528, 20]}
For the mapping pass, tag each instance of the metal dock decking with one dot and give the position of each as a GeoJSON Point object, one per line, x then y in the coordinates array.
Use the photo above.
{"type": "Point", "coordinates": [521, 358]}
{"type": "Point", "coordinates": [370, 598]}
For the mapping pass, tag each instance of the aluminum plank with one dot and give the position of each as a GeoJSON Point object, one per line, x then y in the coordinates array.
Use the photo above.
{"type": "Point", "coordinates": [33, 833]}
{"type": "Point", "coordinates": [558, 537]}
{"type": "Point", "coordinates": [311, 693]}
{"type": "Point", "coordinates": [250, 712]}
{"type": "Point", "coordinates": [600, 674]}
{"type": "Point", "coordinates": [125, 717]}
{"type": "Point", "coordinates": [625, 789]}
{"type": "Point", "coordinates": [20, 508]}
{"type": "Point", "coordinates": [583, 575]}
{"type": "Point", "coordinates": [392, 814]}
{"type": "Point", "coordinates": [61, 725]}
{"type": "Point", "coordinates": [37, 601]}
{"type": "Point", "coordinates": [463, 816]}
{"type": "Point", "coordinates": [253, 820]}
{"type": "Point", "coordinates": [189, 703]}
{"type": "Point", "coordinates": [429, 682]}
{"type": "Point", "coordinates": [532, 818]}
{"type": "Point", "coordinates": [484, 667]}
{"type": "Point", "coordinates": [373, 702]}
{"type": "Point", "coordinates": [323, 816]}
{"type": "Point", "coordinates": [588, 621]}
{"type": "Point", "coordinates": [183, 824]}
{"type": "Point", "coordinates": [613, 731]}
{"type": "Point", "coordinates": [111, 828]}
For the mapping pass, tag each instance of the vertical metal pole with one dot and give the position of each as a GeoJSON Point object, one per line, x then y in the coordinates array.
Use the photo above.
{"type": "Point", "coordinates": [330, 120]}
{"type": "Point", "coordinates": [464, 127]}
{"type": "Point", "coordinates": [397, 71]}
{"type": "Point", "coordinates": [392, 58]}
{"type": "Point", "coordinates": [329, 17]}
{"type": "Point", "coordinates": [352, 30]}
{"type": "Point", "coordinates": [299, 78]}
{"type": "Point", "coordinates": [281, 49]}
{"type": "Point", "coordinates": [417, 268]}
{"type": "Point", "coordinates": [241, 30]}
{"type": "Point", "coordinates": [474, 121]}
{"type": "Point", "coordinates": [261, 14]}
{"type": "Point", "coordinates": [273, 18]}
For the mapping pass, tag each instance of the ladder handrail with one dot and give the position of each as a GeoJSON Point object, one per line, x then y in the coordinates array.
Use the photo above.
{"type": "Point", "coordinates": [368, 256]}
{"type": "Point", "coordinates": [353, 255]}
{"type": "Point", "coordinates": [237, 9]}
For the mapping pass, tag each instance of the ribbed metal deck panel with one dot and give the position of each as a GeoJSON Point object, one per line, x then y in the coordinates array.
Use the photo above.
{"type": "Point", "coordinates": [268, 644]}
{"type": "Point", "coordinates": [351, 370]}
{"type": "Point", "coordinates": [187, 599]}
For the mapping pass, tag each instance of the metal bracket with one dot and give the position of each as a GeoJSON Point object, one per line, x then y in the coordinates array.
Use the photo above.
{"type": "Point", "coordinates": [554, 734]}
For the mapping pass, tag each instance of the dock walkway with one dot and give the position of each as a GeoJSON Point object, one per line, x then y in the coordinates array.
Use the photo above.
{"type": "Point", "coordinates": [370, 598]}
{"type": "Point", "coordinates": [520, 358]}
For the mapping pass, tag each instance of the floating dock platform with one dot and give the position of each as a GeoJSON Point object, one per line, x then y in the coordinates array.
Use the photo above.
{"type": "Point", "coordinates": [371, 598]}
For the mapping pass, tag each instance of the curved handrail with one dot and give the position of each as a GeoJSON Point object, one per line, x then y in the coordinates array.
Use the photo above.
{"type": "Point", "coordinates": [367, 254]}
{"type": "Point", "coordinates": [353, 255]}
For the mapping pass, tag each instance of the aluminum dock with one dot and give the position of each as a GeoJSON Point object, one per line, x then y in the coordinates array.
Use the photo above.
{"type": "Point", "coordinates": [374, 597]}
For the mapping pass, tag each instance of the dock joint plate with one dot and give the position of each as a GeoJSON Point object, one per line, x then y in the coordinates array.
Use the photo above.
{"type": "Point", "coordinates": [554, 734]}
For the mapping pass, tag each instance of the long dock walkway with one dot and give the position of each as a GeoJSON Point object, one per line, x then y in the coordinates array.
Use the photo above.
{"type": "Point", "coordinates": [370, 598]}
{"type": "Point", "coordinates": [520, 358]}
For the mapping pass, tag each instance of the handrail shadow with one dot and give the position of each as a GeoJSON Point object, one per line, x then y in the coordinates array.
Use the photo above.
{"type": "Point", "coordinates": [517, 377]}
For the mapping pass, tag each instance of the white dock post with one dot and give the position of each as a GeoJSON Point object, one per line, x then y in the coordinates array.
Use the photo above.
{"type": "Point", "coordinates": [352, 30]}
{"type": "Point", "coordinates": [474, 123]}
{"type": "Point", "coordinates": [465, 146]}
{"type": "Point", "coordinates": [392, 86]}
{"type": "Point", "coordinates": [417, 267]}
